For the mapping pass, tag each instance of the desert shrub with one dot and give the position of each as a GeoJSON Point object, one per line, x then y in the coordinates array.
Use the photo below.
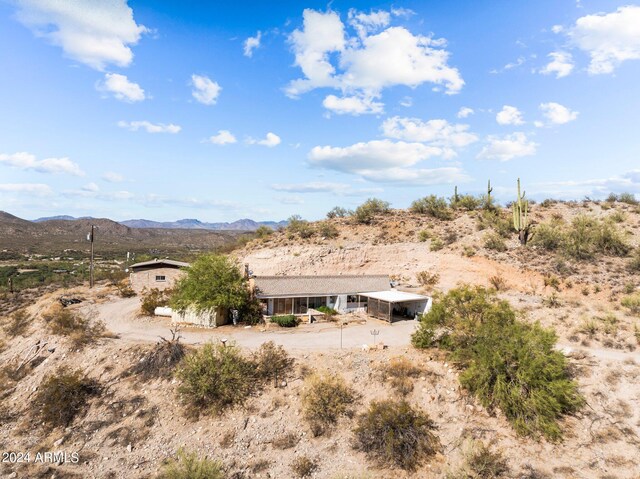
{"type": "Point", "coordinates": [327, 230]}
{"type": "Point", "coordinates": [392, 433]}
{"type": "Point", "coordinates": [324, 399]}
{"type": "Point", "coordinates": [303, 466]}
{"type": "Point", "coordinates": [400, 373]}
{"type": "Point", "coordinates": [632, 303]}
{"type": "Point", "coordinates": [498, 222]}
{"type": "Point", "coordinates": [251, 312]}
{"type": "Point", "coordinates": [270, 360]}
{"type": "Point", "coordinates": [507, 364]}
{"type": "Point", "coordinates": [468, 202]}
{"type": "Point", "coordinates": [609, 241]}
{"type": "Point", "coordinates": [612, 198]}
{"type": "Point", "coordinates": [263, 232]}
{"type": "Point", "coordinates": [329, 313]}
{"type": "Point", "coordinates": [587, 236]}
{"type": "Point", "coordinates": [369, 209]}
{"type": "Point", "coordinates": [286, 441]}
{"type": "Point", "coordinates": [161, 360]}
{"type": "Point", "coordinates": [81, 329]}
{"type": "Point", "coordinates": [427, 279]}
{"type": "Point", "coordinates": [494, 241]}
{"type": "Point", "coordinates": [286, 321]}
{"type": "Point", "coordinates": [480, 462]}
{"type": "Point", "coordinates": [436, 244]}
{"type": "Point", "coordinates": [154, 298]}
{"type": "Point", "coordinates": [214, 378]}
{"type": "Point", "coordinates": [634, 262]}
{"type": "Point", "coordinates": [338, 212]}
{"type": "Point", "coordinates": [552, 281]}
{"type": "Point", "coordinates": [549, 236]}
{"type": "Point", "coordinates": [628, 198]}
{"type": "Point", "coordinates": [424, 235]}
{"type": "Point", "coordinates": [432, 205]}
{"type": "Point", "coordinates": [498, 282]}
{"type": "Point", "coordinates": [17, 324]}
{"type": "Point", "coordinates": [62, 396]}
{"type": "Point", "coordinates": [189, 465]}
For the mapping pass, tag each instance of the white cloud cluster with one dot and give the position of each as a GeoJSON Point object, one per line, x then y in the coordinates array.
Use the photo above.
{"type": "Point", "coordinates": [439, 133]}
{"type": "Point", "coordinates": [112, 177]}
{"type": "Point", "coordinates": [204, 89]}
{"type": "Point", "coordinates": [94, 33]}
{"type": "Point", "coordinates": [557, 114]}
{"type": "Point", "coordinates": [38, 189]}
{"type": "Point", "coordinates": [561, 64]}
{"type": "Point", "coordinates": [376, 57]}
{"type": "Point", "coordinates": [224, 137]}
{"type": "Point", "coordinates": [609, 39]}
{"type": "Point", "coordinates": [352, 105]}
{"type": "Point", "coordinates": [509, 115]}
{"type": "Point", "coordinates": [342, 189]}
{"type": "Point", "coordinates": [149, 127]}
{"type": "Point", "coordinates": [464, 112]}
{"type": "Point", "coordinates": [252, 43]}
{"type": "Point", "coordinates": [507, 147]}
{"type": "Point", "coordinates": [121, 88]}
{"type": "Point", "coordinates": [27, 161]}
{"type": "Point", "coordinates": [270, 140]}
{"type": "Point", "coordinates": [627, 182]}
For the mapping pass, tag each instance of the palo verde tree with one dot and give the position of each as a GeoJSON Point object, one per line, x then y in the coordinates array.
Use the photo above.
{"type": "Point", "coordinates": [211, 281]}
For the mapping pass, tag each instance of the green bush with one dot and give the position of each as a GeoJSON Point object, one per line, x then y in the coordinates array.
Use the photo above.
{"type": "Point", "coordinates": [263, 232]}
{"type": "Point", "coordinates": [432, 205]}
{"type": "Point", "coordinates": [400, 372]}
{"type": "Point", "coordinates": [63, 396]}
{"type": "Point", "coordinates": [588, 236]}
{"type": "Point", "coordinates": [154, 298]}
{"type": "Point", "coordinates": [327, 230]}
{"type": "Point", "coordinates": [190, 466]}
{"type": "Point", "coordinates": [81, 329]}
{"type": "Point", "coordinates": [506, 363]}
{"type": "Point", "coordinates": [328, 312]}
{"type": "Point", "coordinates": [480, 462]}
{"type": "Point", "coordinates": [286, 321]}
{"type": "Point", "coordinates": [424, 235]}
{"type": "Point", "coordinates": [338, 212]}
{"type": "Point", "coordinates": [392, 433]}
{"type": "Point", "coordinates": [436, 244]}
{"type": "Point", "coordinates": [628, 198]}
{"type": "Point", "coordinates": [632, 303]}
{"type": "Point", "coordinates": [369, 209]}
{"type": "Point", "coordinates": [324, 399]}
{"type": "Point", "coordinates": [214, 378]}
{"type": "Point", "coordinates": [549, 236]}
{"type": "Point", "coordinates": [494, 241]}
{"type": "Point", "coordinates": [634, 262]}
{"type": "Point", "coordinates": [271, 360]}
{"type": "Point", "coordinates": [468, 202]}
{"type": "Point", "coordinates": [498, 222]}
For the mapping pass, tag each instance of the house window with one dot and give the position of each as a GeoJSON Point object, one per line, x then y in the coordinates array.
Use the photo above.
{"type": "Point", "coordinates": [161, 277]}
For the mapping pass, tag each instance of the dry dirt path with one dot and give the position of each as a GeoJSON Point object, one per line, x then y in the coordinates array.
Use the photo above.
{"type": "Point", "coordinates": [121, 318]}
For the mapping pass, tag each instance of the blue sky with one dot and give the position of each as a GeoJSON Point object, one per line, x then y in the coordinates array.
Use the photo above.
{"type": "Point", "coordinates": [168, 110]}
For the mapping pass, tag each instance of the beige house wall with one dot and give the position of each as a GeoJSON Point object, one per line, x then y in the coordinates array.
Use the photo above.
{"type": "Point", "coordinates": [146, 278]}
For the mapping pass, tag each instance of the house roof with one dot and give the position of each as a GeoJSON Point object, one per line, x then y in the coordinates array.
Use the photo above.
{"type": "Point", "coordinates": [160, 263]}
{"type": "Point", "coordinates": [394, 296]}
{"type": "Point", "coordinates": [291, 286]}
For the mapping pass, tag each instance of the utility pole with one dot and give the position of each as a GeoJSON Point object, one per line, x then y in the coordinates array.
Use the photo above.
{"type": "Point", "coordinates": [90, 238]}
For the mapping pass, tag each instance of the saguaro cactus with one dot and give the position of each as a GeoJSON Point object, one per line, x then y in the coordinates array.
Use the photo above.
{"type": "Point", "coordinates": [489, 191]}
{"type": "Point", "coordinates": [456, 198]}
{"type": "Point", "coordinates": [521, 217]}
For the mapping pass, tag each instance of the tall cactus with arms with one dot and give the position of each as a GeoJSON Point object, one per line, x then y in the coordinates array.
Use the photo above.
{"type": "Point", "coordinates": [521, 217]}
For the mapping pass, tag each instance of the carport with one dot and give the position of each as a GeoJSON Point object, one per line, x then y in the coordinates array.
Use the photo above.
{"type": "Point", "coordinates": [396, 305]}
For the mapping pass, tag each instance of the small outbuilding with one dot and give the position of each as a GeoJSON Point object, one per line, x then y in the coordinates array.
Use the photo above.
{"type": "Point", "coordinates": [394, 304]}
{"type": "Point", "coordinates": [158, 273]}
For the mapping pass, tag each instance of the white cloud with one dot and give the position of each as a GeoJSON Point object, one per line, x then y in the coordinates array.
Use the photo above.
{"type": "Point", "coordinates": [353, 105]}
{"type": "Point", "coordinates": [270, 140]}
{"type": "Point", "coordinates": [418, 177]}
{"type": "Point", "coordinates": [561, 64]}
{"type": "Point", "coordinates": [507, 147]}
{"type": "Point", "coordinates": [464, 112]}
{"type": "Point", "coordinates": [557, 114]}
{"type": "Point", "coordinates": [290, 200]}
{"type": "Point", "coordinates": [341, 189]}
{"type": "Point", "coordinates": [252, 43]}
{"type": "Point", "coordinates": [112, 177]}
{"type": "Point", "coordinates": [28, 188]}
{"type": "Point", "coordinates": [205, 90]}
{"type": "Point", "coordinates": [91, 187]}
{"type": "Point", "coordinates": [94, 33]}
{"type": "Point", "coordinates": [121, 88]}
{"type": "Point", "coordinates": [223, 137]}
{"type": "Point", "coordinates": [407, 101]}
{"type": "Point", "coordinates": [369, 61]}
{"type": "Point", "coordinates": [149, 127]}
{"type": "Point", "coordinates": [596, 187]}
{"type": "Point", "coordinates": [509, 115]}
{"type": "Point", "coordinates": [609, 39]}
{"type": "Point", "coordinates": [27, 161]}
{"type": "Point", "coordinates": [435, 132]}
{"type": "Point", "coordinates": [557, 28]}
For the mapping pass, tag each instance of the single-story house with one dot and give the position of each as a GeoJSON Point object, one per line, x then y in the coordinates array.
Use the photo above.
{"type": "Point", "coordinates": [158, 273]}
{"type": "Point", "coordinates": [344, 293]}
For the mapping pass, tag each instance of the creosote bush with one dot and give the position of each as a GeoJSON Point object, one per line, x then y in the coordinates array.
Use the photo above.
{"type": "Point", "coordinates": [81, 329]}
{"type": "Point", "coordinates": [63, 396]}
{"type": "Point", "coordinates": [432, 205]}
{"type": "Point", "coordinates": [286, 321]}
{"type": "Point", "coordinates": [327, 230]}
{"type": "Point", "coordinates": [189, 465]}
{"type": "Point", "coordinates": [497, 221]}
{"type": "Point", "coordinates": [369, 209]}
{"type": "Point", "coordinates": [480, 462]}
{"type": "Point", "coordinates": [400, 372]}
{"type": "Point", "coordinates": [263, 232]}
{"type": "Point", "coordinates": [154, 298]}
{"type": "Point", "coordinates": [338, 212]}
{"type": "Point", "coordinates": [213, 378]}
{"type": "Point", "coordinates": [507, 364]}
{"type": "Point", "coordinates": [270, 360]}
{"type": "Point", "coordinates": [326, 398]}
{"type": "Point", "coordinates": [494, 241]}
{"type": "Point", "coordinates": [392, 433]}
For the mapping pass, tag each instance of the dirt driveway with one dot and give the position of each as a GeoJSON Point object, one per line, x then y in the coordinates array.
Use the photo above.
{"type": "Point", "coordinates": [121, 318]}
